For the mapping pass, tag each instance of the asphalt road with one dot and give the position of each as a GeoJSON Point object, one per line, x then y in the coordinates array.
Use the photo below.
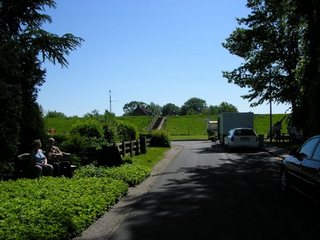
{"type": "Point", "coordinates": [207, 193]}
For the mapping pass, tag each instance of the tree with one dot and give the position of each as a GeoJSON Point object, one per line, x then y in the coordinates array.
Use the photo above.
{"type": "Point", "coordinates": [128, 108]}
{"type": "Point", "coordinates": [226, 107]}
{"type": "Point", "coordinates": [272, 47]}
{"type": "Point", "coordinates": [170, 110]}
{"type": "Point", "coordinates": [23, 48]}
{"type": "Point", "coordinates": [154, 108]}
{"type": "Point", "coordinates": [308, 115]}
{"type": "Point", "coordinates": [213, 110]}
{"type": "Point", "coordinates": [93, 114]}
{"type": "Point", "coordinates": [55, 114]}
{"type": "Point", "coordinates": [193, 106]}
{"type": "Point", "coordinates": [280, 44]}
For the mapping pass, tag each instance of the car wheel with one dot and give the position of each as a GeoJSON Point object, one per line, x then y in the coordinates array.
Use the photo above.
{"type": "Point", "coordinates": [284, 184]}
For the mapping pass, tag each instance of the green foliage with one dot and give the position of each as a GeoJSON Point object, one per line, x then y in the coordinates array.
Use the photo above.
{"type": "Point", "coordinates": [128, 108]}
{"type": "Point", "coordinates": [188, 127]}
{"type": "Point", "coordinates": [226, 107]}
{"type": "Point", "coordinates": [270, 42]}
{"type": "Point", "coordinates": [54, 208]}
{"type": "Point", "coordinates": [193, 106]}
{"type": "Point", "coordinates": [140, 122]}
{"type": "Point", "coordinates": [86, 139]}
{"type": "Point", "coordinates": [160, 138]}
{"type": "Point", "coordinates": [262, 123]}
{"type": "Point", "coordinates": [87, 149]}
{"type": "Point", "coordinates": [32, 126]}
{"type": "Point", "coordinates": [61, 125]}
{"type": "Point", "coordinates": [109, 125]}
{"type": "Point", "coordinates": [170, 109]}
{"type": "Point", "coordinates": [22, 44]}
{"type": "Point", "coordinates": [130, 174]}
{"type": "Point", "coordinates": [89, 136]}
{"type": "Point", "coordinates": [61, 208]}
{"type": "Point", "coordinates": [178, 127]}
{"type": "Point", "coordinates": [195, 126]}
{"type": "Point", "coordinates": [279, 44]}
{"type": "Point", "coordinates": [127, 131]}
{"type": "Point", "coordinates": [154, 108]}
{"type": "Point", "coordinates": [55, 114]}
{"type": "Point", "coordinates": [110, 132]}
{"type": "Point", "coordinates": [90, 128]}
{"type": "Point", "coordinates": [149, 159]}
{"type": "Point", "coordinates": [59, 138]}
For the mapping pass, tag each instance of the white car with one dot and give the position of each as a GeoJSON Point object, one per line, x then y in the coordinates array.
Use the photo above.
{"type": "Point", "coordinates": [241, 138]}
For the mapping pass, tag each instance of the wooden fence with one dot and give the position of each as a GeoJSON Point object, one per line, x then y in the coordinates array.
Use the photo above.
{"type": "Point", "coordinates": [134, 147]}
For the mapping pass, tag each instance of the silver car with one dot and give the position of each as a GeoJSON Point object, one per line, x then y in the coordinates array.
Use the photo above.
{"type": "Point", "coordinates": [241, 138]}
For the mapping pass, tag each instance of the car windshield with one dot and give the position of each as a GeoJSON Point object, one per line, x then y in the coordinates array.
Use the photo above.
{"type": "Point", "coordinates": [244, 132]}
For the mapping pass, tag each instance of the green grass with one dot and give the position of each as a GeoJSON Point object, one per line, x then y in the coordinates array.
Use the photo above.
{"type": "Point", "coordinates": [178, 127]}
{"type": "Point", "coordinates": [188, 127]}
{"type": "Point", "coordinates": [194, 126]}
{"type": "Point", "coordinates": [140, 122]}
{"type": "Point", "coordinates": [154, 155]}
{"type": "Point", "coordinates": [61, 125]}
{"type": "Point", "coordinates": [64, 125]}
{"type": "Point", "coordinates": [262, 123]}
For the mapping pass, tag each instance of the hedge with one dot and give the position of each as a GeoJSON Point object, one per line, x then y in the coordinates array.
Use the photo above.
{"type": "Point", "coordinates": [54, 208]}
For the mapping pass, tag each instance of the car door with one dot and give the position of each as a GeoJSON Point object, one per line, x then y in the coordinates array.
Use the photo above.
{"type": "Point", "coordinates": [311, 172]}
{"type": "Point", "coordinates": [305, 154]}
{"type": "Point", "coordinates": [298, 174]}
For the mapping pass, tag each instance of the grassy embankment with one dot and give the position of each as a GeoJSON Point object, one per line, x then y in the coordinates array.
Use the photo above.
{"type": "Point", "coordinates": [194, 127]}
{"type": "Point", "coordinates": [64, 125]}
{"type": "Point", "coordinates": [178, 127]}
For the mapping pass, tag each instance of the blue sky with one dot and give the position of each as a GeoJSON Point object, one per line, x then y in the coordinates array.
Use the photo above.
{"type": "Point", "coordinates": [160, 51]}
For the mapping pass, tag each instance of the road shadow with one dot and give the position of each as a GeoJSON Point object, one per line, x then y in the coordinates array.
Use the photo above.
{"type": "Point", "coordinates": [239, 199]}
{"type": "Point", "coordinates": [217, 148]}
{"type": "Point", "coordinates": [214, 148]}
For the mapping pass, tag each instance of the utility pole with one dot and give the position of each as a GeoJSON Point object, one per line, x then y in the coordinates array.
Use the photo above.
{"type": "Point", "coordinates": [110, 101]}
{"type": "Point", "coordinates": [270, 102]}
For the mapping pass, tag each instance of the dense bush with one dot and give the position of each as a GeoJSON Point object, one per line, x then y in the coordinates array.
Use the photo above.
{"type": "Point", "coordinates": [85, 140]}
{"type": "Point", "coordinates": [54, 208]}
{"type": "Point", "coordinates": [90, 128]}
{"type": "Point", "coordinates": [127, 131]}
{"type": "Point", "coordinates": [59, 138]}
{"type": "Point", "coordinates": [110, 132]}
{"type": "Point", "coordinates": [83, 147]}
{"type": "Point", "coordinates": [160, 138]}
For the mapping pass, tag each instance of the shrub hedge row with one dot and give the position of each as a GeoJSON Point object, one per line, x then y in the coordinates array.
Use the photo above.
{"type": "Point", "coordinates": [61, 208]}
{"type": "Point", "coordinates": [54, 208]}
{"type": "Point", "coordinates": [130, 174]}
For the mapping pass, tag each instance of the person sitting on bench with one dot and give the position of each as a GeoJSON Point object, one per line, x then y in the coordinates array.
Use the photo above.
{"type": "Point", "coordinates": [41, 163]}
{"type": "Point", "coordinates": [58, 159]}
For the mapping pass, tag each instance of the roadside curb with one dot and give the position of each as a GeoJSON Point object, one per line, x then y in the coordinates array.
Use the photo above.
{"type": "Point", "coordinates": [108, 223]}
{"type": "Point", "coordinates": [277, 152]}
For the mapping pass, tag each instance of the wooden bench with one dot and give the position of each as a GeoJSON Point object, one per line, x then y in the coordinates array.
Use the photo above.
{"type": "Point", "coordinates": [25, 167]}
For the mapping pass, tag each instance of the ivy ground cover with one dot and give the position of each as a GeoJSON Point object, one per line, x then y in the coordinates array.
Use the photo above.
{"type": "Point", "coordinates": [61, 208]}
{"type": "Point", "coordinates": [54, 208]}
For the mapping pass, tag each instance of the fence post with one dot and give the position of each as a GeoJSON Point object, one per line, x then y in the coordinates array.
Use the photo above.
{"type": "Point", "coordinates": [137, 147]}
{"type": "Point", "coordinates": [143, 144]}
{"type": "Point", "coordinates": [123, 149]}
{"type": "Point", "coordinates": [131, 148]}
